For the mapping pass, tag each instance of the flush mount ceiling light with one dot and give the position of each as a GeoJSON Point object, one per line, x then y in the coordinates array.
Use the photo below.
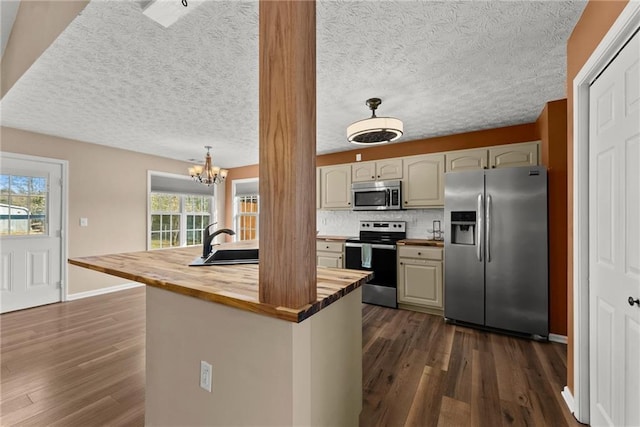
{"type": "Point", "coordinates": [208, 174]}
{"type": "Point", "coordinates": [374, 130]}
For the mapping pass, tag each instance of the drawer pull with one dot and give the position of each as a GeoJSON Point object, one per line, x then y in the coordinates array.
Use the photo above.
{"type": "Point", "coordinates": [419, 253]}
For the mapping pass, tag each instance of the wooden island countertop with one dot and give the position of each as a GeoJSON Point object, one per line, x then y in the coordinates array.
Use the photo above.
{"type": "Point", "coordinates": [231, 285]}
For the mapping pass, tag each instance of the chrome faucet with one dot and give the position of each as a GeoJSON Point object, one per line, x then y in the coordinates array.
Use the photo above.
{"type": "Point", "coordinates": [208, 238]}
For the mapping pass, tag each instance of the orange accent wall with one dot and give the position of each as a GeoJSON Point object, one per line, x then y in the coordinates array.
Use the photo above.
{"type": "Point", "coordinates": [597, 18]}
{"type": "Point", "coordinates": [482, 138]}
{"type": "Point", "coordinates": [552, 127]}
{"type": "Point", "coordinates": [460, 141]}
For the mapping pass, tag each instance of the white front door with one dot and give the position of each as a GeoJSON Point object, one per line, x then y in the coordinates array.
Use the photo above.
{"type": "Point", "coordinates": [30, 232]}
{"type": "Point", "coordinates": [614, 241]}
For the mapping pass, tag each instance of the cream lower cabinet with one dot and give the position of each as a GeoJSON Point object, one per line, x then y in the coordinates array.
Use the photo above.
{"type": "Point", "coordinates": [330, 254]}
{"type": "Point", "coordinates": [420, 280]}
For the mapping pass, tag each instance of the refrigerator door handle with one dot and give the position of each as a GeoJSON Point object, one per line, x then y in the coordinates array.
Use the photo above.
{"type": "Point", "coordinates": [488, 234]}
{"type": "Point", "coordinates": [479, 215]}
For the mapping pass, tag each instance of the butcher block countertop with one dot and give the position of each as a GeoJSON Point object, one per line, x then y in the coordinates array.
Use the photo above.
{"type": "Point", "coordinates": [232, 285]}
{"type": "Point", "coordinates": [421, 242]}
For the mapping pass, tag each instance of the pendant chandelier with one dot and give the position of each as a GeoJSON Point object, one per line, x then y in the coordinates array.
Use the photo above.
{"type": "Point", "coordinates": [374, 130]}
{"type": "Point", "coordinates": [208, 174]}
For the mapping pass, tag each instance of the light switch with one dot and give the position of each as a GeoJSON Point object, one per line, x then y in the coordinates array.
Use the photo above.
{"type": "Point", "coordinates": [84, 222]}
{"type": "Point", "coordinates": [358, 157]}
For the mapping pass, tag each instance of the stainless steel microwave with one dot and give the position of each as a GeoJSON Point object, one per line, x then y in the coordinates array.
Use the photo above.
{"type": "Point", "coordinates": [377, 195]}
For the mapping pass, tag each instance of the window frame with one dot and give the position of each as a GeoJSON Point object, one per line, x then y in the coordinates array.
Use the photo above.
{"type": "Point", "coordinates": [182, 209]}
{"type": "Point", "coordinates": [45, 217]}
{"type": "Point", "coordinates": [236, 214]}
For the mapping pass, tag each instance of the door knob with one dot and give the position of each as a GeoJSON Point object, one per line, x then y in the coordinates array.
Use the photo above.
{"type": "Point", "coordinates": [634, 301]}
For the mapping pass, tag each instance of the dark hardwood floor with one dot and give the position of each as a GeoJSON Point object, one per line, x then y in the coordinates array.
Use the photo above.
{"type": "Point", "coordinates": [420, 371]}
{"type": "Point", "coordinates": [81, 363]}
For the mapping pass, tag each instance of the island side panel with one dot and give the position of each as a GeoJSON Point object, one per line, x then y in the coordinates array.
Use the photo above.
{"type": "Point", "coordinates": [328, 365]}
{"type": "Point", "coordinates": [251, 356]}
{"type": "Point", "coordinates": [266, 371]}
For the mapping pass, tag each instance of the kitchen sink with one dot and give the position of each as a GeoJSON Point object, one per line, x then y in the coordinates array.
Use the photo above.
{"type": "Point", "coordinates": [227, 257]}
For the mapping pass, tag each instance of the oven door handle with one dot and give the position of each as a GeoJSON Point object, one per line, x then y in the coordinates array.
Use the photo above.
{"type": "Point", "coordinates": [373, 245]}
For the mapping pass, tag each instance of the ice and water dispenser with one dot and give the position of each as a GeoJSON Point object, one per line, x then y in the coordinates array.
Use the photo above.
{"type": "Point", "coordinates": [463, 227]}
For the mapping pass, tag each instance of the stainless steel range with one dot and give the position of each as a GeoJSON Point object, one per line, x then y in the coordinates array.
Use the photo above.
{"type": "Point", "coordinates": [375, 250]}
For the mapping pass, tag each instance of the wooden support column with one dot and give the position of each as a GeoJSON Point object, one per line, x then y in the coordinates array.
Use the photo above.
{"type": "Point", "coordinates": [287, 152]}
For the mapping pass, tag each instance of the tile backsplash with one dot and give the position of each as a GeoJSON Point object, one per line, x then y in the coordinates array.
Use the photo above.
{"type": "Point", "coordinates": [347, 223]}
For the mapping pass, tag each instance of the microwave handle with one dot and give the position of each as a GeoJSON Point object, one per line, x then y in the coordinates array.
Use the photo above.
{"type": "Point", "coordinates": [387, 197]}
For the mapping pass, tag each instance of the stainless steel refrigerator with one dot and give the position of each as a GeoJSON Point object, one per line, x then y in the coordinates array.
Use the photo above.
{"type": "Point", "coordinates": [496, 262]}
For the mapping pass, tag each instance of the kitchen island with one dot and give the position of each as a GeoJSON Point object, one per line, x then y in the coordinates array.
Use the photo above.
{"type": "Point", "coordinates": [271, 365]}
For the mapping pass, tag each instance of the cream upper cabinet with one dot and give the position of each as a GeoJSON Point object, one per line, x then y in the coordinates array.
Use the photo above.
{"type": "Point", "coordinates": [504, 156]}
{"type": "Point", "coordinates": [363, 171]}
{"type": "Point", "coordinates": [335, 187]}
{"type": "Point", "coordinates": [376, 171]}
{"type": "Point", "coordinates": [464, 160]}
{"type": "Point", "coordinates": [389, 169]}
{"type": "Point", "coordinates": [423, 181]}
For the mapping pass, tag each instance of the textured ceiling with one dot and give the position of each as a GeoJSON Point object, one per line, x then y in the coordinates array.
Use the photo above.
{"type": "Point", "coordinates": [115, 77]}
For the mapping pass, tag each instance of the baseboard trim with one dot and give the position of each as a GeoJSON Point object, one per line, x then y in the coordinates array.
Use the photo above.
{"type": "Point", "coordinates": [562, 339]}
{"type": "Point", "coordinates": [102, 291]}
{"type": "Point", "coordinates": [568, 399]}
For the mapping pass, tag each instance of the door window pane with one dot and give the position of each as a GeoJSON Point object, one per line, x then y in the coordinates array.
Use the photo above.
{"type": "Point", "coordinates": [23, 205]}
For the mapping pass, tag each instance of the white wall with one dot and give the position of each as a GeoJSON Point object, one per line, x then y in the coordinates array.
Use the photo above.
{"type": "Point", "coordinates": [347, 223]}
{"type": "Point", "coordinates": [106, 185]}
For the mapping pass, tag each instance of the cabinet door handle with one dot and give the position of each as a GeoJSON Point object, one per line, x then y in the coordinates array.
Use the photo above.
{"type": "Point", "coordinates": [373, 177]}
{"type": "Point", "coordinates": [327, 247]}
{"type": "Point", "coordinates": [401, 263]}
{"type": "Point", "coordinates": [419, 253]}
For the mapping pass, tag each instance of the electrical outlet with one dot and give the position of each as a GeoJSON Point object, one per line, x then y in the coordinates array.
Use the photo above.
{"type": "Point", "coordinates": [206, 372]}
